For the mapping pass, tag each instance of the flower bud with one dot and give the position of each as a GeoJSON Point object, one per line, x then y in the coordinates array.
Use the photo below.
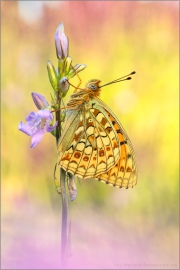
{"type": "Point", "coordinates": [52, 75]}
{"type": "Point", "coordinates": [39, 101]}
{"type": "Point", "coordinates": [64, 85]}
{"type": "Point", "coordinates": [72, 187]}
{"type": "Point", "coordinates": [61, 42]}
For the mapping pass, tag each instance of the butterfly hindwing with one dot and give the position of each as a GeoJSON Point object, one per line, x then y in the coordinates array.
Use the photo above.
{"type": "Point", "coordinates": [93, 147]}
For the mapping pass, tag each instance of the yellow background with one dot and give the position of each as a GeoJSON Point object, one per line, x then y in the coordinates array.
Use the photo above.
{"type": "Point", "coordinates": [111, 228]}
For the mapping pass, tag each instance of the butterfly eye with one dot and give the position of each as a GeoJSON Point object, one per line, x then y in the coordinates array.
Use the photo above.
{"type": "Point", "coordinates": [93, 87]}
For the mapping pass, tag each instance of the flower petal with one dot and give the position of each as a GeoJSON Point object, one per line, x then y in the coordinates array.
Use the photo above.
{"type": "Point", "coordinates": [36, 138]}
{"type": "Point", "coordinates": [51, 128]}
{"type": "Point", "coordinates": [45, 114]}
{"type": "Point", "coordinates": [30, 116]}
{"type": "Point", "coordinates": [25, 128]}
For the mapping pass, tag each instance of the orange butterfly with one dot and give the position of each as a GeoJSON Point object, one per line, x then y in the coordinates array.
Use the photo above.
{"type": "Point", "coordinates": [93, 143]}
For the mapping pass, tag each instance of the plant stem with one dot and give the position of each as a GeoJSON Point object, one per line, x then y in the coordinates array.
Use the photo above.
{"type": "Point", "coordinates": [64, 236]}
{"type": "Point", "coordinates": [64, 247]}
{"type": "Point", "coordinates": [58, 118]}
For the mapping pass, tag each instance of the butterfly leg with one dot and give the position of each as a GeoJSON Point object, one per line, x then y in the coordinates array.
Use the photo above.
{"type": "Point", "coordinates": [80, 81]}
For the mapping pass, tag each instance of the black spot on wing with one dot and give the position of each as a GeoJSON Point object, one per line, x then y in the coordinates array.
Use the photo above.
{"type": "Point", "coordinates": [123, 142]}
{"type": "Point", "coordinates": [119, 131]}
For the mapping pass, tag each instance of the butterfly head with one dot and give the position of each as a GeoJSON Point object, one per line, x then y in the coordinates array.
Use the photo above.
{"type": "Point", "coordinates": [93, 85]}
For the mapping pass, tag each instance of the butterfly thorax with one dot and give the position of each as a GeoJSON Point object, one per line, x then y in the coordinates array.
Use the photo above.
{"type": "Point", "coordinates": [82, 96]}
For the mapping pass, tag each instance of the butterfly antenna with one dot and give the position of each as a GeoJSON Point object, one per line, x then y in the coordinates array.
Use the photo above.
{"type": "Point", "coordinates": [123, 78]}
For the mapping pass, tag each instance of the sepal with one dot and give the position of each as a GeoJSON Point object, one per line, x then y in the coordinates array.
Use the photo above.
{"type": "Point", "coordinates": [52, 75]}
{"type": "Point", "coordinates": [67, 64]}
{"type": "Point", "coordinates": [76, 69]}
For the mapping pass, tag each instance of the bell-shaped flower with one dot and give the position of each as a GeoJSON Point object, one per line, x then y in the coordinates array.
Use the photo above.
{"type": "Point", "coordinates": [61, 42]}
{"type": "Point", "coordinates": [37, 125]}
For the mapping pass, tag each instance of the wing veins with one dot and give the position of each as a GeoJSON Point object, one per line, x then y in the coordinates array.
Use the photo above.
{"type": "Point", "coordinates": [102, 144]}
{"type": "Point", "coordinates": [106, 133]}
{"type": "Point", "coordinates": [84, 132]}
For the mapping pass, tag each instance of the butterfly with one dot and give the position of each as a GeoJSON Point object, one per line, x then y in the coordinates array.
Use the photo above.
{"type": "Point", "coordinates": [93, 143]}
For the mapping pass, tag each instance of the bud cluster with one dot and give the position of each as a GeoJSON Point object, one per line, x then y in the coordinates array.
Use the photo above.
{"type": "Point", "coordinates": [59, 77]}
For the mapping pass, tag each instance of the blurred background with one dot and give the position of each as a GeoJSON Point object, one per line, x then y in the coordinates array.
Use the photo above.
{"type": "Point", "coordinates": [111, 228]}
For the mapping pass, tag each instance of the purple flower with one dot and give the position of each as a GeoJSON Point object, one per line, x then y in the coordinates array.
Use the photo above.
{"type": "Point", "coordinates": [37, 124]}
{"type": "Point", "coordinates": [39, 100]}
{"type": "Point", "coordinates": [61, 42]}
